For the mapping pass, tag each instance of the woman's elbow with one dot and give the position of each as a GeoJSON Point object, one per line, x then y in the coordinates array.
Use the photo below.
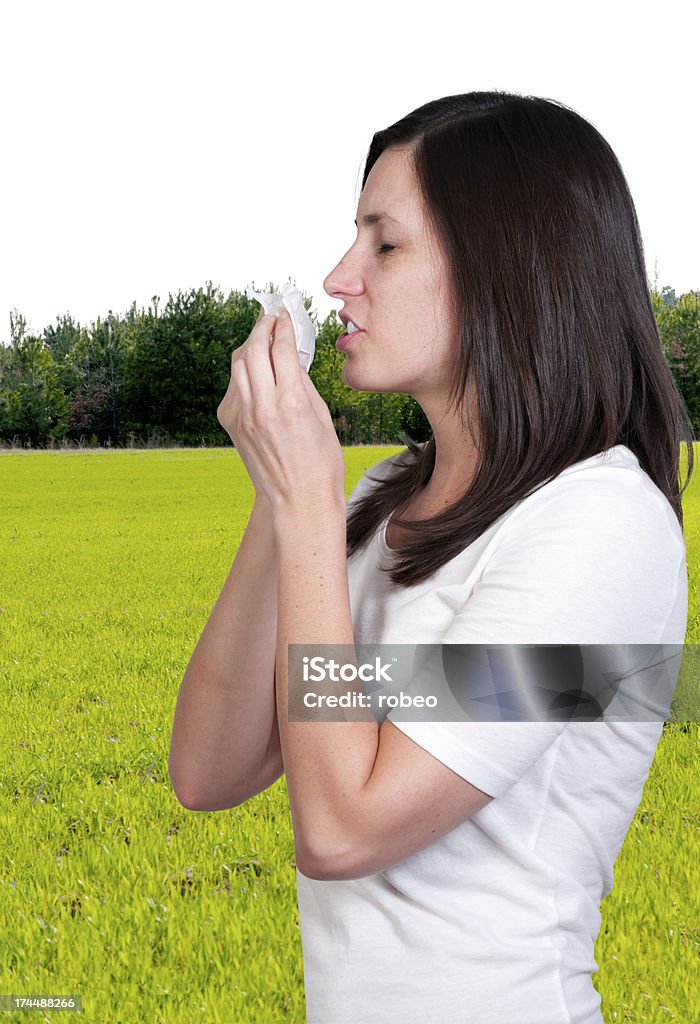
{"type": "Point", "coordinates": [185, 798]}
{"type": "Point", "coordinates": [193, 801]}
{"type": "Point", "coordinates": [334, 863]}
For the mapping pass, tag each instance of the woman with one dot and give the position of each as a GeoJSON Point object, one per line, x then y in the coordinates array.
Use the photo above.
{"type": "Point", "coordinates": [453, 871]}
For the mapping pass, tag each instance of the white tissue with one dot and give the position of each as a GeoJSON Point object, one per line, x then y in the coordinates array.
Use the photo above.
{"type": "Point", "coordinates": [290, 298]}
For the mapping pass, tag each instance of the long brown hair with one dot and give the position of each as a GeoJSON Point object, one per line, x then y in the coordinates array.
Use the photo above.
{"type": "Point", "coordinates": [556, 332]}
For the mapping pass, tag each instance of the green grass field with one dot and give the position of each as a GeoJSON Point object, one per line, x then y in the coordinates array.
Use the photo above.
{"type": "Point", "coordinates": [109, 889]}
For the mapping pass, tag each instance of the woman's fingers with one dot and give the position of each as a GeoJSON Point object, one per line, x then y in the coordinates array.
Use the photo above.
{"type": "Point", "coordinates": [267, 371]}
{"type": "Point", "coordinates": [259, 363]}
{"type": "Point", "coordinates": [285, 358]}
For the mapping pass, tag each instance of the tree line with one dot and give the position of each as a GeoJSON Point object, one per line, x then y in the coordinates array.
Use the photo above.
{"type": "Point", "coordinates": [156, 376]}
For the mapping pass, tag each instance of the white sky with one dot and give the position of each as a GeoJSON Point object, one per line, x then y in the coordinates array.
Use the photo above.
{"type": "Point", "coordinates": [151, 146]}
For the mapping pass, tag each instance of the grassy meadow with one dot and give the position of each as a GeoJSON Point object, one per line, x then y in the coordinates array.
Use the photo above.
{"type": "Point", "coordinates": [110, 562]}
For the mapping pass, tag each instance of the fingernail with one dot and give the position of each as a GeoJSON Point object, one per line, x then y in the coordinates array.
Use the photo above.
{"type": "Point", "coordinates": [284, 312]}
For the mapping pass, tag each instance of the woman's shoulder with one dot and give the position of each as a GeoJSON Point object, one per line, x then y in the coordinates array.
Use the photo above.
{"type": "Point", "coordinates": [610, 490]}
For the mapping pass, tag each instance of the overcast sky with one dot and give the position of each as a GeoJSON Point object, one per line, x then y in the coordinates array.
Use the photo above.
{"type": "Point", "coordinates": [152, 146]}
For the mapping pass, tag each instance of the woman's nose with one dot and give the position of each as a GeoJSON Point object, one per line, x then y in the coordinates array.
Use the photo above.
{"type": "Point", "coordinates": [343, 278]}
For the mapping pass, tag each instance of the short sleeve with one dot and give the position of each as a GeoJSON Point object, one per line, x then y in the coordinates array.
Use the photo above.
{"type": "Point", "coordinates": [594, 558]}
{"type": "Point", "coordinates": [493, 756]}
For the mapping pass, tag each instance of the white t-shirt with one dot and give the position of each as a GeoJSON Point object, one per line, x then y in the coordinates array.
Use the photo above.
{"type": "Point", "coordinates": [495, 923]}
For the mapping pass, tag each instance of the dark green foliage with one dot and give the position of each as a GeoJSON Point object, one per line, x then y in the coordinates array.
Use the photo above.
{"type": "Point", "coordinates": [156, 376]}
{"type": "Point", "coordinates": [678, 321]}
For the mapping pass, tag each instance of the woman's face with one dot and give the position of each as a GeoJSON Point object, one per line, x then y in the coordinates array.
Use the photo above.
{"type": "Point", "coordinates": [394, 283]}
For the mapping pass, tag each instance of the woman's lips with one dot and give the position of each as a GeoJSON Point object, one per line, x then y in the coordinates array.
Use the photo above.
{"type": "Point", "coordinates": [345, 339]}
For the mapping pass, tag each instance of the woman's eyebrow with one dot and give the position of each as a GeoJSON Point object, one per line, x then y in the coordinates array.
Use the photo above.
{"type": "Point", "coordinates": [374, 218]}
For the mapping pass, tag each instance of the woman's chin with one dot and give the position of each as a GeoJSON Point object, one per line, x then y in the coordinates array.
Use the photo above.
{"type": "Point", "coordinates": [349, 376]}
{"type": "Point", "coordinates": [353, 377]}
{"type": "Point", "coordinates": [356, 380]}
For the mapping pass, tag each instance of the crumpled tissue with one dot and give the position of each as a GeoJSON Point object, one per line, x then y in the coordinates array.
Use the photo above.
{"type": "Point", "coordinates": [290, 298]}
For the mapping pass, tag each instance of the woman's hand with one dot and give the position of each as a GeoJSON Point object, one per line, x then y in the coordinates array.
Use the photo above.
{"type": "Point", "coordinates": [279, 423]}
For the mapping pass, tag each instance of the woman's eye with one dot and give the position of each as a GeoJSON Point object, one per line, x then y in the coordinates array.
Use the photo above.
{"type": "Point", "coordinates": [385, 248]}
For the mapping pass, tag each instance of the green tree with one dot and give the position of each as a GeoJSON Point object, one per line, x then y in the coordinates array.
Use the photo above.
{"type": "Point", "coordinates": [33, 405]}
{"type": "Point", "coordinates": [179, 363]}
{"type": "Point", "coordinates": [679, 330]}
{"type": "Point", "coordinates": [96, 363]}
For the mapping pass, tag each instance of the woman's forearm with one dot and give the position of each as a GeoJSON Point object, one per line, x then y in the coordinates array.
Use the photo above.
{"type": "Point", "coordinates": [326, 763]}
{"type": "Point", "coordinates": [225, 712]}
